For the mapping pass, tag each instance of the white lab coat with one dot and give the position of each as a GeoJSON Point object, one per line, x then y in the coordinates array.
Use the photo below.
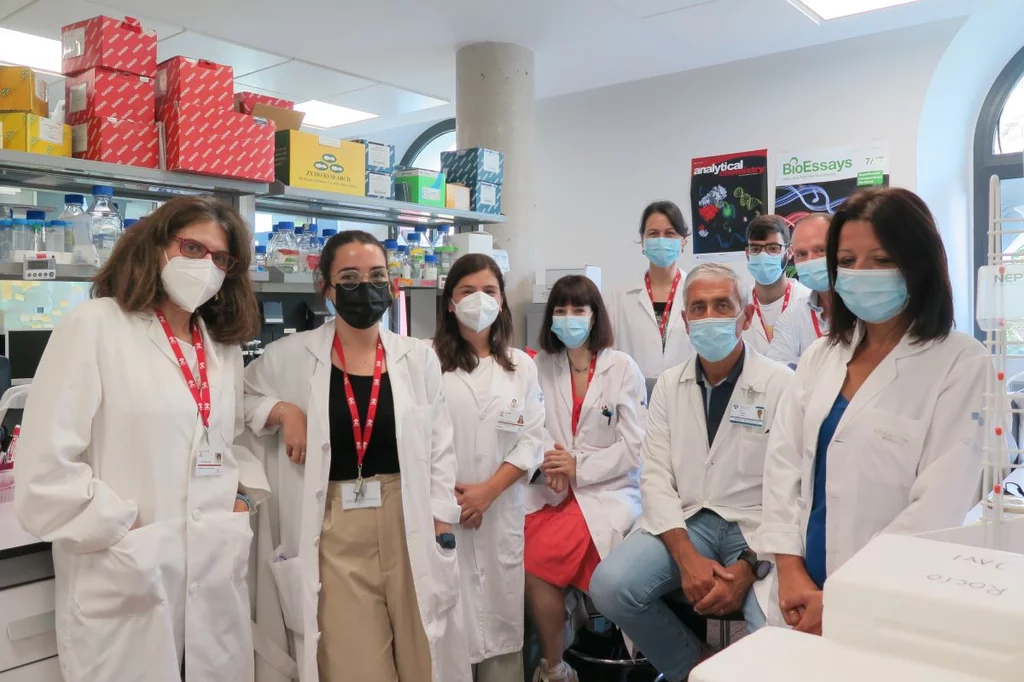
{"type": "Point", "coordinates": [110, 433]}
{"type": "Point", "coordinates": [906, 456]}
{"type": "Point", "coordinates": [794, 331]}
{"type": "Point", "coordinates": [491, 557]}
{"type": "Point", "coordinates": [756, 337]}
{"type": "Point", "coordinates": [636, 330]}
{"type": "Point", "coordinates": [607, 450]}
{"type": "Point", "coordinates": [297, 369]}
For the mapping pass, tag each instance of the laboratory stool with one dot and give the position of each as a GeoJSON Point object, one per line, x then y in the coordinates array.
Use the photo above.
{"type": "Point", "coordinates": [598, 650]}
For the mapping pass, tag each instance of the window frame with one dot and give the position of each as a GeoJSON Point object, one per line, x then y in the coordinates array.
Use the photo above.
{"type": "Point", "coordinates": [425, 138]}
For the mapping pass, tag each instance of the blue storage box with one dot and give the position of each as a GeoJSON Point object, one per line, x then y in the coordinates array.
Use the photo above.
{"type": "Point", "coordinates": [470, 166]}
{"type": "Point", "coordinates": [485, 197]}
{"type": "Point", "coordinates": [380, 185]}
{"type": "Point", "coordinates": [380, 158]}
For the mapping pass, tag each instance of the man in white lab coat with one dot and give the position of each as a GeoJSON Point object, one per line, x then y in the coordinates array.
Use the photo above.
{"type": "Point", "coordinates": [707, 433]}
{"type": "Point", "coordinates": [768, 253]}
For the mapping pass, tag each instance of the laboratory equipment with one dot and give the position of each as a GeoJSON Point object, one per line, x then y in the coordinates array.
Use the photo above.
{"type": "Point", "coordinates": [394, 264]}
{"type": "Point", "coordinates": [22, 239]}
{"type": "Point", "coordinates": [429, 271]}
{"type": "Point", "coordinates": [79, 230]}
{"type": "Point", "coordinates": [53, 236]}
{"type": "Point", "coordinates": [105, 222]}
{"type": "Point", "coordinates": [286, 252]}
{"type": "Point", "coordinates": [38, 236]}
{"type": "Point", "coordinates": [260, 260]}
{"type": "Point", "coordinates": [6, 237]}
{"type": "Point", "coordinates": [405, 261]}
{"type": "Point", "coordinates": [24, 350]}
{"type": "Point", "coordinates": [129, 222]}
{"type": "Point", "coordinates": [425, 241]}
{"type": "Point", "coordinates": [416, 254]}
{"type": "Point", "coordinates": [39, 266]}
{"type": "Point", "coordinates": [446, 255]}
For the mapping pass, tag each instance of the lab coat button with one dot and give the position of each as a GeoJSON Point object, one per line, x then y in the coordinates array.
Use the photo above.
{"type": "Point", "coordinates": [193, 588]}
{"type": "Point", "coordinates": [196, 515]}
{"type": "Point", "coordinates": [320, 494]}
{"type": "Point", "coordinates": [318, 635]}
{"type": "Point", "coordinates": [318, 587]}
{"type": "Point", "coordinates": [325, 447]}
{"type": "Point", "coordinates": [316, 541]}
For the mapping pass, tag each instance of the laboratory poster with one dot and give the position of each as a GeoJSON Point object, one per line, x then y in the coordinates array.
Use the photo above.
{"type": "Point", "coordinates": [819, 181]}
{"type": "Point", "coordinates": [726, 193]}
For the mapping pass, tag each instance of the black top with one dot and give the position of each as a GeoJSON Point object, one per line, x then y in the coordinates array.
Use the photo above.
{"type": "Point", "coordinates": [382, 452]}
{"type": "Point", "coordinates": [721, 396]}
{"type": "Point", "coordinates": [659, 309]}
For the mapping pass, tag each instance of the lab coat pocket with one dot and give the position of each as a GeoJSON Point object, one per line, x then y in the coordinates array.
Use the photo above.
{"type": "Point", "coordinates": [288, 578]}
{"type": "Point", "coordinates": [416, 429]}
{"type": "Point", "coordinates": [446, 573]}
{"type": "Point", "coordinates": [753, 447]}
{"type": "Point", "coordinates": [123, 580]}
{"type": "Point", "coordinates": [891, 447]}
{"type": "Point", "coordinates": [241, 538]}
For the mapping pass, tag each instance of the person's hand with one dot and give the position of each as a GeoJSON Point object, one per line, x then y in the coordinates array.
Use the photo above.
{"type": "Point", "coordinates": [811, 607]}
{"type": "Point", "coordinates": [558, 483]}
{"type": "Point", "coordinates": [794, 586]}
{"type": "Point", "coordinates": [440, 528]}
{"type": "Point", "coordinates": [698, 573]}
{"type": "Point", "coordinates": [731, 586]}
{"type": "Point", "coordinates": [293, 424]}
{"type": "Point", "coordinates": [475, 499]}
{"type": "Point", "coordinates": [559, 461]}
{"type": "Point", "coordinates": [241, 506]}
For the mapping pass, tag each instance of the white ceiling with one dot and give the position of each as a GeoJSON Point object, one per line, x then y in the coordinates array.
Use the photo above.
{"type": "Point", "coordinates": [396, 58]}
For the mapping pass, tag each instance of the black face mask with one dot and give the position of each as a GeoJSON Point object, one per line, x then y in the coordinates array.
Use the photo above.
{"type": "Point", "coordinates": [363, 306]}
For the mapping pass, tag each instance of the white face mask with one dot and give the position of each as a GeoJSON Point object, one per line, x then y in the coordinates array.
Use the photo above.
{"type": "Point", "coordinates": [478, 311]}
{"type": "Point", "coordinates": [191, 282]}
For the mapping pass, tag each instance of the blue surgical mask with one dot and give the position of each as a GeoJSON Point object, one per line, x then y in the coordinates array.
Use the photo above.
{"type": "Point", "coordinates": [765, 268]}
{"type": "Point", "coordinates": [714, 337]}
{"type": "Point", "coordinates": [571, 330]}
{"type": "Point", "coordinates": [813, 274]}
{"type": "Point", "coordinates": [662, 251]}
{"type": "Point", "coordinates": [331, 310]}
{"type": "Point", "coordinates": [872, 295]}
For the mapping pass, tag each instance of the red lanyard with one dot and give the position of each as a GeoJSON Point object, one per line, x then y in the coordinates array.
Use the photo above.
{"type": "Point", "coordinates": [577, 401]}
{"type": "Point", "coordinates": [785, 304]}
{"type": "Point", "coordinates": [663, 322]}
{"type": "Point", "coordinates": [814, 321]}
{"type": "Point", "coordinates": [361, 435]}
{"type": "Point", "coordinates": [200, 393]}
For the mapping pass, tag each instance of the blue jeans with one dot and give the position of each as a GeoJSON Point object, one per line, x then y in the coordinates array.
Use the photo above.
{"type": "Point", "coordinates": [628, 586]}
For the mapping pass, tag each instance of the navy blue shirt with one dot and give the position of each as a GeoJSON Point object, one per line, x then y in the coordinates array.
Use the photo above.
{"type": "Point", "coordinates": [814, 557]}
{"type": "Point", "coordinates": [717, 398]}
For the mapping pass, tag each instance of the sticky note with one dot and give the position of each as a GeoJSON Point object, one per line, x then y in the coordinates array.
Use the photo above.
{"type": "Point", "coordinates": [19, 297]}
{"type": "Point", "coordinates": [64, 304]}
{"type": "Point", "coordinates": [24, 318]}
{"type": "Point", "coordinates": [5, 291]}
{"type": "Point", "coordinates": [58, 313]}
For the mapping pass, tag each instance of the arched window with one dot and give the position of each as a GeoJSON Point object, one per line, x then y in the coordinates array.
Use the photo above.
{"type": "Point", "coordinates": [425, 151]}
{"type": "Point", "coordinates": [998, 147]}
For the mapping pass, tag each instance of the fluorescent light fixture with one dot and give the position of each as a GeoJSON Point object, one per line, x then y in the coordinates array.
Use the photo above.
{"type": "Point", "coordinates": [826, 10]}
{"type": "Point", "coordinates": [22, 49]}
{"type": "Point", "coordinates": [323, 115]}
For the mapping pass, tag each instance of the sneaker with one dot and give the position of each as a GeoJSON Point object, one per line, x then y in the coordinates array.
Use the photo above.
{"type": "Point", "coordinates": [543, 674]}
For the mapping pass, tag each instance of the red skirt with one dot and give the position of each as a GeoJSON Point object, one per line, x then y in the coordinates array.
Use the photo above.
{"type": "Point", "coordinates": [558, 547]}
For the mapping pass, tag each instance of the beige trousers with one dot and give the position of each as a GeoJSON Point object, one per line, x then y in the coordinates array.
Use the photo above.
{"type": "Point", "coordinates": [369, 618]}
{"type": "Point", "coordinates": [504, 668]}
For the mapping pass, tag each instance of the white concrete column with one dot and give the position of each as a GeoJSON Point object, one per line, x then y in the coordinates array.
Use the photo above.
{"type": "Point", "coordinates": [495, 108]}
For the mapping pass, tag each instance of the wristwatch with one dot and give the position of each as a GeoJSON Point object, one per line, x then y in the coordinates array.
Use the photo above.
{"type": "Point", "coordinates": [761, 569]}
{"type": "Point", "coordinates": [446, 540]}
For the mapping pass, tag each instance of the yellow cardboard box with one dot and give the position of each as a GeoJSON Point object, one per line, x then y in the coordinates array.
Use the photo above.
{"type": "Point", "coordinates": [21, 89]}
{"type": "Point", "coordinates": [311, 161]}
{"type": "Point", "coordinates": [35, 134]}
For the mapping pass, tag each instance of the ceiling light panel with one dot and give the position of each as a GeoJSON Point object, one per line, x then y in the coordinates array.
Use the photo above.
{"type": "Point", "coordinates": [386, 100]}
{"type": "Point", "coordinates": [46, 17]}
{"type": "Point", "coordinates": [827, 10]}
{"type": "Point", "coordinates": [303, 81]}
{"type": "Point", "coordinates": [23, 49]}
{"type": "Point", "coordinates": [324, 115]}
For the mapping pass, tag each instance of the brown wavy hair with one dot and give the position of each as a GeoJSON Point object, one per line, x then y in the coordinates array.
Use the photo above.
{"type": "Point", "coordinates": [132, 274]}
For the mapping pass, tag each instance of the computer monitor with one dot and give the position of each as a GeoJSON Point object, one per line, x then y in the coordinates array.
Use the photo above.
{"type": "Point", "coordinates": [24, 349]}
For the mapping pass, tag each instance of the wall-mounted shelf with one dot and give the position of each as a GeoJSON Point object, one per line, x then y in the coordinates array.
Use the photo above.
{"type": "Point", "coordinates": [285, 199]}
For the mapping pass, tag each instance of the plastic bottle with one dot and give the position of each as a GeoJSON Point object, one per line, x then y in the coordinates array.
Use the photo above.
{"type": "Point", "coordinates": [441, 237]}
{"type": "Point", "coordinates": [311, 249]}
{"type": "Point", "coordinates": [405, 261]}
{"type": "Point", "coordinates": [428, 248]}
{"type": "Point", "coordinates": [106, 222]}
{"type": "Point", "coordinates": [300, 246]}
{"type": "Point", "coordinates": [286, 256]}
{"type": "Point", "coordinates": [416, 254]}
{"type": "Point", "coordinates": [6, 234]}
{"type": "Point", "coordinates": [79, 226]}
{"type": "Point", "coordinates": [430, 268]}
{"type": "Point", "coordinates": [128, 222]}
{"type": "Point", "coordinates": [54, 236]}
{"type": "Point", "coordinates": [22, 239]}
{"type": "Point", "coordinates": [259, 263]}
{"type": "Point", "coordinates": [394, 264]}
{"type": "Point", "coordinates": [445, 258]}
{"type": "Point", "coordinates": [272, 244]}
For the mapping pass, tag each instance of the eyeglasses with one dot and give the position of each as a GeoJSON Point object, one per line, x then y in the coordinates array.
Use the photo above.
{"type": "Point", "coordinates": [770, 249]}
{"type": "Point", "coordinates": [190, 248]}
{"type": "Point", "coordinates": [378, 277]}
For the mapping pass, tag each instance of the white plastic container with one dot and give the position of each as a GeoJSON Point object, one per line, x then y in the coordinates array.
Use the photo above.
{"type": "Point", "coordinates": [105, 222]}
{"type": "Point", "coordinates": [473, 242]}
{"type": "Point", "coordinates": [79, 226]}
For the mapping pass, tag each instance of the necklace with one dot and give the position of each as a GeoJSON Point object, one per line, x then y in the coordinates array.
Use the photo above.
{"type": "Point", "coordinates": [577, 369]}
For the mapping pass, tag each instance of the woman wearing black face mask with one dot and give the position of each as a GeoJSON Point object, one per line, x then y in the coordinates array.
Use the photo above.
{"type": "Point", "coordinates": [365, 568]}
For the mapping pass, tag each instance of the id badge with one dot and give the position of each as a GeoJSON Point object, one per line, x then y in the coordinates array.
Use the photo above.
{"type": "Point", "coordinates": [511, 420]}
{"type": "Point", "coordinates": [368, 499]}
{"type": "Point", "coordinates": [210, 457]}
{"type": "Point", "coordinates": [747, 415]}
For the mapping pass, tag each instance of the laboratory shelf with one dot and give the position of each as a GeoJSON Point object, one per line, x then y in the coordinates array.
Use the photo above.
{"type": "Point", "coordinates": [284, 199]}
{"type": "Point", "coordinates": [77, 176]}
{"type": "Point", "coordinates": [65, 273]}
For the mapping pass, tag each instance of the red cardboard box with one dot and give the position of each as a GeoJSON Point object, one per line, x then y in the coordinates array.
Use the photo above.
{"type": "Point", "coordinates": [221, 143]}
{"type": "Point", "coordinates": [194, 82]}
{"type": "Point", "coordinates": [99, 93]}
{"type": "Point", "coordinates": [245, 101]}
{"type": "Point", "coordinates": [110, 44]}
{"type": "Point", "coordinates": [123, 142]}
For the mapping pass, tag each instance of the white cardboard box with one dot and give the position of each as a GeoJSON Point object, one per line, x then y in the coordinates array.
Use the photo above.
{"type": "Point", "coordinates": [473, 242]}
{"type": "Point", "coordinates": [544, 282]}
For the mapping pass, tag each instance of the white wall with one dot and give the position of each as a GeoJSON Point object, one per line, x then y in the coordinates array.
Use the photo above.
{"type": "Point", "coordinates": [603, 155]}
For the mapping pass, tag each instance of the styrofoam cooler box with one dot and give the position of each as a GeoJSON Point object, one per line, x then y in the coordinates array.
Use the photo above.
{"type": "Point", "coordinates": [473, 242]}
{"type": "Point", "coordinates": [783, 655]}
{"type": "Point", "coordinates": [955, 606]}
{"type": "Point", "coordinates": [591, 272]}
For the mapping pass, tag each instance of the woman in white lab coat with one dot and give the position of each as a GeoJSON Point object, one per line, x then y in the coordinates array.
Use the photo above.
{"type": "Point", "coordinates": [498, 414]}
{"type": "Point", "coordinates": [647, 319]}
{"type": "Point", "coordinates": [596, 408]}
{"type": "Point", "coordinates": [127, 461]}
{"type": "Point", "coordinates": [366, 570]}
{"type": "Point", "coordinates": [878, 432]}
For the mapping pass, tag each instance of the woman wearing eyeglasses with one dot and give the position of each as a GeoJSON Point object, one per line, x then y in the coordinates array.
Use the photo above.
{"type": "Point", "coordinates": [364, 477]}
{"type": "Point", "coordinates": [127, 461]}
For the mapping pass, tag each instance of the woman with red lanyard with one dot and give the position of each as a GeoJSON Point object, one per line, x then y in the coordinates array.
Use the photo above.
{"type": "Point", "coordinates": [364, 479]}
{"type": "Point", "coordinates": [768, 254]}
{"type": "Point", "coordinates": [127, 460]}
{"type": "Point", "coordinates": [596, 407]}
{"type": "Point", "coordinates": [647, 318]}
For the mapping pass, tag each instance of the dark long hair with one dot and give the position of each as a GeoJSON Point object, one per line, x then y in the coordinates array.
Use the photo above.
{"type": "Point", "coordinates": [454, 351]}
{"type": "Point", "coordinates": [671, 213]}
{"type": "Point", "coordinates": [331, 249]}
{"type": "Point", "coordinates": [577, 290]}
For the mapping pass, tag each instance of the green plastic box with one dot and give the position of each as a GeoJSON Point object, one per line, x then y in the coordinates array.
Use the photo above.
{"type": "Point", "coordinates": [424, 187]}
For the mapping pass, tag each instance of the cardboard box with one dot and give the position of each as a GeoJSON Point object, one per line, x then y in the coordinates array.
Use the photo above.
{"type": "Point", "coordinates": [194, 82]}
{"type": "Point", "coordinates": [246, 101]}
{"type": "Point", "coordinates": [22, 90]}
{"type": "Point", "coordinates": [313, 161]}
{"type": "Point", "coordinates": [380, 158]}
{"type": "Point", "coordinates": [424, 187]}
{"type": "Point", "coordinates": [118, 45]}
{"type": "Point", "coordinates": [221, 143]}
{"type": "Point", "coordinates": [380, 185]}
{"type": "Point", "coordinates": [457, 197]}
{"type": "Point", "coordinates": [103, 94]}
{"type": "Point", "coordinates": [35, 134]}
{"type": "Point", "coordinates": [485, 197]}
{"type": "Point", "coordinates": [127, 143]}
{"type": "Point", "coordinates": [470, 166]}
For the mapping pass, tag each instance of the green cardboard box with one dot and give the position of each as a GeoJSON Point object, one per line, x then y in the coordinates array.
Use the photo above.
{"type": "Point", "coordinates": [424, 187]}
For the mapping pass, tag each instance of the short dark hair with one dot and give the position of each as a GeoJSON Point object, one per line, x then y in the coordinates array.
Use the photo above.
{"type": "Point", "coordinates": [331, 249]}
{"type": "Point", "coordinates": [906, 230]}
{"type": "Point", "coordinates": [452, 350]}
{"type": "Point", "coordinates": [763, 226]}
{"type": "Point", "coordinates": [577, 290]}
{"type": "Point", "coordinates": [671, 213]}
